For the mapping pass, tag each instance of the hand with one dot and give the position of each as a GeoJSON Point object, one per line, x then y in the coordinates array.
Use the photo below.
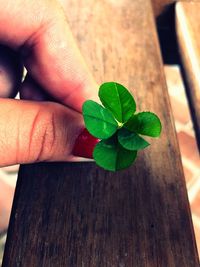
{"type": "Point", "coordinates": [32, 131]}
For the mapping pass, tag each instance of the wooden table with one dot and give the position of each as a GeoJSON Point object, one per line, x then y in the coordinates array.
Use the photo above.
{"type": "Point", "coordinates": [77, 214]}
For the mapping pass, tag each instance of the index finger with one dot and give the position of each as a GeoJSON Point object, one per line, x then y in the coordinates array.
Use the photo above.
{"type": "Point", "coordinates": [50, 53]}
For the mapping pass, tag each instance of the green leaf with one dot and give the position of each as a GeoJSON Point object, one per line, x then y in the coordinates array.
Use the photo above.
{"type": "Point", "coordinates": [110, 155]}
{"type": "Point", "coordinates": [98, 121]}
{"type": "Point", "coordinates": [130, 140]}
{"type": "Point", "coordinates": [118, 100]}
{"type": "Point", "coordinates": [145, 123]}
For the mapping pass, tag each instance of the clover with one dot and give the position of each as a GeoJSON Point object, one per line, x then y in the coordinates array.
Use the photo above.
{"type": "Point", "coordinates": [118, 127]}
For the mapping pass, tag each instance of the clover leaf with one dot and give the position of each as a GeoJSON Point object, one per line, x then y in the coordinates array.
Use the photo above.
{"type": "Point", "coordinates": [146, 123]}
{"type": "Point", "coordinates": [118, 126]}
{"type": "Point", "coordinates": [98, 120]}
{"type": "Point", "coordinates": [110, 155]}
{"type": "Point", "coordinates": [116, 98]}
{"type": "Point", "coordinates": [130, 140]}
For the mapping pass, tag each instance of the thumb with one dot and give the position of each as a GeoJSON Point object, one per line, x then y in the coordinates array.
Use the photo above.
{"type": "Point", "coordinates": [32, 131]}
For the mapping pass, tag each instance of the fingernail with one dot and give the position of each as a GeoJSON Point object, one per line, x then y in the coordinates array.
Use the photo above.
{"type": "Point", "coordinates": [84, 145]}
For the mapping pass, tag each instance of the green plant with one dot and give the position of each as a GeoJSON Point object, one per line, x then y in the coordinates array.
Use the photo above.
{"type": "Point", "coordinates": [118, 127]}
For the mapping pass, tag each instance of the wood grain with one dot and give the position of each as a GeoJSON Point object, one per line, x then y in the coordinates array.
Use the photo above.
{"type": "Point", "coordinates": [188, 29]}
{"type": "Point", "coordinates": [76, 214]}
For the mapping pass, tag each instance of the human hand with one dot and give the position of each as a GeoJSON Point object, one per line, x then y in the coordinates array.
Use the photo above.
{"type": "Point", "coordinates": [33, 131]}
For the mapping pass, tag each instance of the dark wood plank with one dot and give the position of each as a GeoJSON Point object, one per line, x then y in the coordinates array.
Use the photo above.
{"type": "Point", "coordinates": [188, 29]}
{"type": "Point", "coordinates": [77, 214]}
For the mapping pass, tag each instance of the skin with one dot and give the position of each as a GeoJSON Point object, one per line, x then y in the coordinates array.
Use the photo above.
{"type": "Point", "coordinates": [6, 198]}
{"type": "Point", "coordinates": [33, 130]}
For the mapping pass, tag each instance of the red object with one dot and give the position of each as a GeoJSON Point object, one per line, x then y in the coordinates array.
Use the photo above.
{"type": "Point", "coordinates": [85, 144]}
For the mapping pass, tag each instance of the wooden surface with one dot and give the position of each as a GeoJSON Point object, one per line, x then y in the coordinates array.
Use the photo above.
{"type": "Point", "coordinates": [188, 32]}
{"type": "Point", "coordinates": [77, 214]}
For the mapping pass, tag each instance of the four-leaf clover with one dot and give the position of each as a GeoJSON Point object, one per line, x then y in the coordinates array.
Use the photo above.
{"type": "Point", "coordinates": [118, 127]}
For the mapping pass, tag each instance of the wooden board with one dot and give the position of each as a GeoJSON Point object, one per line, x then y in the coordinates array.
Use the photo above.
{"type": "Point", "coordinates": [188, 29]}
{"type": "Point", "coordinates": [77, 214]}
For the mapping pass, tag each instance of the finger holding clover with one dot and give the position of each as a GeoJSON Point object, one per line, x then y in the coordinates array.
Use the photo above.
{"type": "Point", "coordinates": [35, 34]}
